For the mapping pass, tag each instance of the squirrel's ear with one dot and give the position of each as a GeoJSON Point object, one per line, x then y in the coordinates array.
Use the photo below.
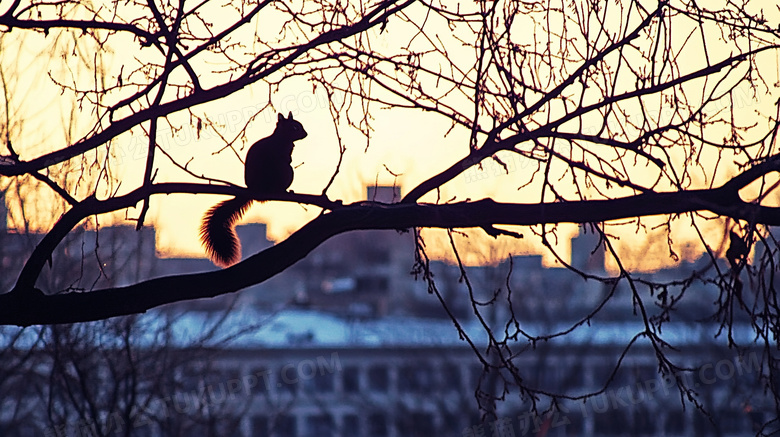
{"type": "Point", "coordinates": [289, 115]}
{"type": "Point", "coordinates": [280, 117]}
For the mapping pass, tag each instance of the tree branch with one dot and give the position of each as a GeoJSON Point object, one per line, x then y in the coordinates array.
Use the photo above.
{"type": "Point", "coordinates": [25, 305]}
{"type": "Point", "coordinates": [549, 130]}
{"type": "Point", "coordinates": [144, 36]}
{"type": "Point", "coordinates": [92, 206]}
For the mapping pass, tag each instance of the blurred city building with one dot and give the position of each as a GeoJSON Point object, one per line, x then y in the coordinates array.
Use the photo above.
{"type": "Point", "coordinates": [348, 343]}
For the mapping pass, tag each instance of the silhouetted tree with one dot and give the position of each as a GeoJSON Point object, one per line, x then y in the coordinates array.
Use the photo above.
{"type": "Point", "coordinates": [626, 111]}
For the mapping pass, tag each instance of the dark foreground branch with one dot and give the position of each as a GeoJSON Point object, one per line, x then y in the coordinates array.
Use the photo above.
{"type": "Point", "coordinates": [93, 206]}
{"type": "Point", "coordinates": [29, 306]}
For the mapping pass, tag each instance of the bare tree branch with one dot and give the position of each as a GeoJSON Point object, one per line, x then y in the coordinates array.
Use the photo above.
{"type": "Point", "coordinates": [23, 306]}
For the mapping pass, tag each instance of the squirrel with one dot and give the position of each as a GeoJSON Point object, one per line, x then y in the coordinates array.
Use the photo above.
{"type": "Point", "coordinates": [267, 171]}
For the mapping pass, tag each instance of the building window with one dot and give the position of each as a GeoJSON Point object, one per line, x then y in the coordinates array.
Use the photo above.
{"type": "Point", "coordinates": [320, 383]}
{"type": "Point", "coordinates": [635, 374]}
{"type": "Point", "coordinates": [549, 375]}
{"type": "Point", "coordinates": [192, 375]}
{"type": "Point", "coordinates": [417, 378]}
{"type": "Point", "coordinates": [319, 426]}
{"type": "Point", "coordinates": [613, 423]}
{"type": "Point", "coordinates": [450, 378]}
{"type": "Point", "coordinates": [219, 376]}
{"type": "Point", "coordinates": [351, 427]}
{"type": "Point", "coordinates": [418, 425]}
{"type": "Point", "coordinates": [644, 422]}
{"type": "Point", "coordinates": [190, 427]}
{"type": "Point", "coordinates": [263, 376]}
{"type": "Point", "coordinates": [287, 380]}
{"type": "Point", "coordinates": [674, 423]}
{"type": "Point", "coordinates": [450, 424]}
{"type": "Point", "coordinates": [567, 423]}
{"type": "Point", "coordinates": [377, 425]}
{"type": "Point", "coordinates": [602, 372]}
{"type": "Point", "coordinates": [284, 426]}
{"type": "Point", "coordinates": [143, 430]}
{"type": "Point", "coordinates": [734, 422]}
{"type": "Point", "coordinates": [702, 425]}
{"type": "Point", "coordinates": [226, 425]}
{"type": "Point", "coordinates": [378, 379]}
{"type": "Point", "coordinates": [644, 372]}
{"type": "Point", "coordinates": [573, 376]}
{"type": "Point", "coordinates": [756, 420]}
{"type": "Point", "coordinates": [475, 376]}
{"type": "Point", "coordinates": [260, 426]}
{"type": "Point", "coordinates": [378, 255]}
{"type": "Point", "coordinates": [372, 284]}
{"type": "Point", "coordinates": [351, 380]}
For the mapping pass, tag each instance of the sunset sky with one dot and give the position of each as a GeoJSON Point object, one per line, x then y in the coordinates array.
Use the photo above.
{"type": "Point", "coordinates": [410, 143]}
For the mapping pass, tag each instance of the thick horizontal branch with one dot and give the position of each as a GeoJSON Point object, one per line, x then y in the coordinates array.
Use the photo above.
{"type": "Point", "coordinates": [93, 206]}
{"type": "Point", "coordinates": [29, 306]}
{"type": "Point", "coordinates": [84, 25]}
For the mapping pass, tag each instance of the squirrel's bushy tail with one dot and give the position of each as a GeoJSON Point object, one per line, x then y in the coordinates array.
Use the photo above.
{"type": "Point", "coordinates": [217, 232]}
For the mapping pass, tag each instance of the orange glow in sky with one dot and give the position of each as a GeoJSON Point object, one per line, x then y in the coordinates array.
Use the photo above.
{"type": "Point", "coordinates": [414, 145]}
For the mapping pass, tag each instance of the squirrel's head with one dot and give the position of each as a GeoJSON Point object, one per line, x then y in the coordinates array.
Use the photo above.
{"type": "Point", "coordinates": [289, 128]}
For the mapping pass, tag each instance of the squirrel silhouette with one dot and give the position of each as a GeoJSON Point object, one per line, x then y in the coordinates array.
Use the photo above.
{"type": "Point", "coordinates": [267, 171]}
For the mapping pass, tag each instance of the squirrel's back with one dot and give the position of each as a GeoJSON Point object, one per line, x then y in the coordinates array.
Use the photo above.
{"type": "Point", "coordinates": [268, 167]}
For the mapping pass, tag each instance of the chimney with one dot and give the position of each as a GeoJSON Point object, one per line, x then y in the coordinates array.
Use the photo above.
{"type": "Point", "coordinates": [384, 193]}
{"type": "Point", "coordinates": [586, 253]}
{"type": "Point", "coordinates": [3, 214]}
{"type": "Point", "coordinates": [253, 237]}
